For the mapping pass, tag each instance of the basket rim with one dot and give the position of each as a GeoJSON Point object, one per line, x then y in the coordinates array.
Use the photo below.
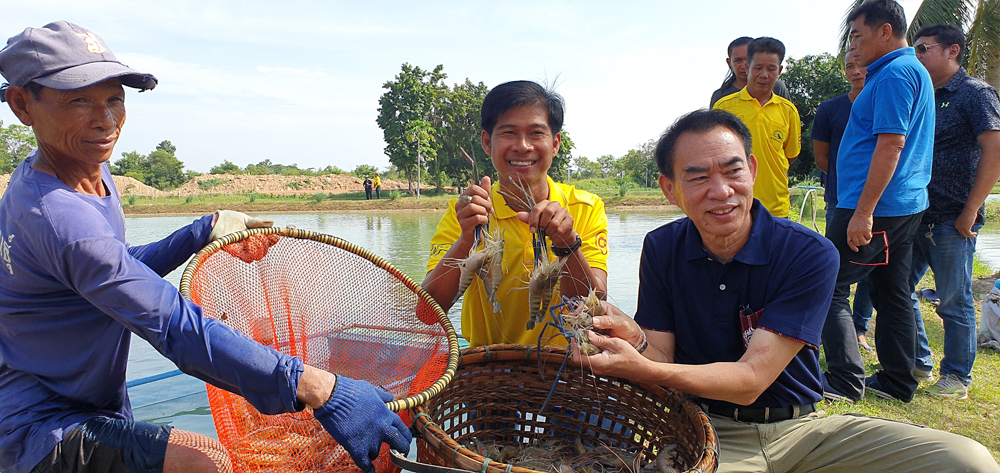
{"type": "Point", "coordinates": [396, 405]}
{"type": "Point", "coordinates": [424, 426]}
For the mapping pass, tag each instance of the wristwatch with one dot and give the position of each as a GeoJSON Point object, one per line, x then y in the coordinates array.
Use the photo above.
{"type": "Point", "coordinates": [566, 251]}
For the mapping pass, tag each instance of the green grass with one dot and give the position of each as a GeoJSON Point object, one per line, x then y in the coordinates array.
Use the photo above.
{"type": "Point", "coordinates": [977, 417]}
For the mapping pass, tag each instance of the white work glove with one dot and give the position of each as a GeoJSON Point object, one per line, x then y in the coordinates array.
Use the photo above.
{"type": "Point", "coordinates": [231, 221]}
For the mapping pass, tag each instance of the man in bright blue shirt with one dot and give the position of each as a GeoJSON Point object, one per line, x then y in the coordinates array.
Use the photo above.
{"type": "Point", "coordinates": [883, 169]}
{"type": "Point", "coordinates": [72, 290]}
{"type": "Point", "coordinates": [827, 132]}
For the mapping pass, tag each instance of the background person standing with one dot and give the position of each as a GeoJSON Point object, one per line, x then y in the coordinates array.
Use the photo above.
{"type": "Point", "coordinates": [828, 129]}
{"type": "Point", "coordinates": [966, 166]}
{"type": "Point", "coordinates": [739, 67]}
{"type": "Point", "coordinates": [773, 121]}
{"type": "Point", "coordinates": [883, 168]}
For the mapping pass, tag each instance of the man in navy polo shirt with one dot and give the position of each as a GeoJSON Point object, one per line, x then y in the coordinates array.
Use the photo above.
{"type": "Point", "coordinates": [966, 166]}
{"type": "Point", "coordinates": [731, 307]}
{"type": "Point", "coordinates": [883, 169]}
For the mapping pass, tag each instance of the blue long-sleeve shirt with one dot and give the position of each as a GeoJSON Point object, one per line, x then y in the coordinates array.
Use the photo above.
{"type": "Point", "coordinates": [71, 290]}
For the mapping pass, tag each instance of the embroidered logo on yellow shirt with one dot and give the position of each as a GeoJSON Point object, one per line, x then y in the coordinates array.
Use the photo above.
{"type": "Point", "coordinates": [602, 242]}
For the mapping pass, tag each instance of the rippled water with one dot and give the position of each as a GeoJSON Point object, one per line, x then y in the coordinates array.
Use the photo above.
{"type": "Point", "coordinates": [403, 239]}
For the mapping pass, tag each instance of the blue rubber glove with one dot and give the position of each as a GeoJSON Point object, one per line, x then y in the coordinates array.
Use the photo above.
{"type": "Point", "coordinates": [357, 418]}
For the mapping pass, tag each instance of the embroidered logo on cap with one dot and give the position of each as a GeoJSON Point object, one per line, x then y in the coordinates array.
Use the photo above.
{"type": "Point", "coordinates": [93, 45]}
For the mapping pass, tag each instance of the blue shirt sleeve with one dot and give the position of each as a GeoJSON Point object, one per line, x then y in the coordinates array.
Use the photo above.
{"type": "Point", "coordinates": [653, 310]}
{"type": "Point", "coordinates": [986, 116]}
{"type": "Point", "coordinates": [821, 125]}
{"type": "Point", "coordinates": [100, 269]}
{"type": "Point", "coordinates": [169, 253]}
{"type": "Point", "coordinates": [799, 308]}
{"type": "Point", "coordinates": [894, 99]}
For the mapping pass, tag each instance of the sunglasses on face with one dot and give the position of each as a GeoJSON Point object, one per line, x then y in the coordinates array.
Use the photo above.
{"type": "Point", "coordinates": [922, 48]}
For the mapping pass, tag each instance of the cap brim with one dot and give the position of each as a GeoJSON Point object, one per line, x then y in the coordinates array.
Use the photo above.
{"type": "Point", "coordinates": [89, 74]}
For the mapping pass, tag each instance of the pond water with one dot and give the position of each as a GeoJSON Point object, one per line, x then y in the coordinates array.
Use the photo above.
{"type": "Point", "coordinates": [403, 239]}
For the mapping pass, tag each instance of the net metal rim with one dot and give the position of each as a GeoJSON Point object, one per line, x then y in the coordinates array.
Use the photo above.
{"type": "Point", "coordinates": [396, 405]}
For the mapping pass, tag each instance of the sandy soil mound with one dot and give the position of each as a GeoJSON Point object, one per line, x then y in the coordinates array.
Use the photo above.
{"type": "Point", "coordinates": [243, 183]}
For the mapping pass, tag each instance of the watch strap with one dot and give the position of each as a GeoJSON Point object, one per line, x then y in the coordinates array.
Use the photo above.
{"type": "Point", "coordinates": [562, 251]}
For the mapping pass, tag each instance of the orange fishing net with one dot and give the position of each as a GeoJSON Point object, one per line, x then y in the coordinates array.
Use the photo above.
{"type": "Point", "coordinates": [336, 306]}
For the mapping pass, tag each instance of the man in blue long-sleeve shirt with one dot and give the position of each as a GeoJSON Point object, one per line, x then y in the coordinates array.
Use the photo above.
{"type": "Point", "coordinates": [71, 290]}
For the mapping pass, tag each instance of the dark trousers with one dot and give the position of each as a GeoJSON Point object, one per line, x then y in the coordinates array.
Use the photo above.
{"type": "Point", "coordinates": [368, 193]}
{"type": "Point", "coordinates": [378, 192]}
{"type": "Point", "coordinates": [895, 331]}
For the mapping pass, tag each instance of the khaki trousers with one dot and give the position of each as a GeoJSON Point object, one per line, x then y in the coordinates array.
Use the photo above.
{"type": "Point", "coordinates": [845, 443]}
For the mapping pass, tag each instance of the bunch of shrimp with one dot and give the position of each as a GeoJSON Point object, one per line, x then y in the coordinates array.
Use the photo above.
{"type": "Point", "coordinates": [546, 273]}
{"type": "Point", "coordinates": [483, 261]}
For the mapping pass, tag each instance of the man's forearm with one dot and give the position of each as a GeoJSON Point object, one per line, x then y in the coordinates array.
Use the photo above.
{"type": "Point", "coordinates": [988, 171]}
{"type": "Point", "coordinates": [579, 278]}
{"type": "Point", "coordinates": [821, 150]}
{"type": "Point", "coordinates": [883, 166]}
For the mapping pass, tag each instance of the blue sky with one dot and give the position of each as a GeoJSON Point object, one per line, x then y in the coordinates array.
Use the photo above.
{"type": "Point", "coordinates": [299, 81]}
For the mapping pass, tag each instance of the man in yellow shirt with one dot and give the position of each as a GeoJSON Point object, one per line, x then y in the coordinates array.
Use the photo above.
{"type": "Point", "coordinates": [773, 121]}
{"type": "Point", "coordinates": [521, 122]}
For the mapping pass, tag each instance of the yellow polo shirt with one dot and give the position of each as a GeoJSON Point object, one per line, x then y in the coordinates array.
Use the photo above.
{"type": "Point", "coordinates": [482, 326]}
{"type": "Point", "coordinates": [777, 137]}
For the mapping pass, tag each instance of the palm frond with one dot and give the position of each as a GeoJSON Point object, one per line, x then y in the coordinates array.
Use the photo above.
{"type": "Point", "coordinates": [983, 40]}
{"type": "Point", "coordinates": [845, 29]}
{"type": "Point", "coordinates": [958, 13]}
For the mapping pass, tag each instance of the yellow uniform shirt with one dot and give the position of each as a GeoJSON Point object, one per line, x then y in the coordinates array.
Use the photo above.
{"type": "Point", "coordinates": [482, 326]}
{"type": "Point", "coordinates": [777, 137]}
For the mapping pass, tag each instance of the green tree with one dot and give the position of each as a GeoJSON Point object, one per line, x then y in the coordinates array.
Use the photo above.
{"type": "Point", "coordinates": [16, 141]}
{"type": "Point", "coordinates": [165, 170]}
{"type": "Point", "coordinates": [562, 159]}
{"type": "Point", "coordinates": [225, 168]}
{"type": "Point", "coordinates": [607, 164]}
{"type": "Point", "coordinates": [364, 170]}
{"type": "Point", "coordinates": [410, 97]}
{"type": "Point", "coordinates": [456, 119]}
{"type": "Point", "coordinates": [585, 168]}
{"type": "Point", "coordinates": [167, 147]}
{"type": "Point", "coordinates": [421, 133]}
{"type": "Point", "coordinates": [812, 80]}
{"type": "Point", "coordinates": [979, 19]}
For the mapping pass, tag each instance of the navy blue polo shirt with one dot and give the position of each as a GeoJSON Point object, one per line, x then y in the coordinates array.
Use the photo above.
{"type": "Point", "coordinates": [828, 127]}
{"type": "Point", "coordinates": [785, 272]}
{"type": "Point", "coordinates": [966, 107]}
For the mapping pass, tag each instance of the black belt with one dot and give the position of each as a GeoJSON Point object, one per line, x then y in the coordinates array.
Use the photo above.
{"type": "Point", "coordinates": [760, 415]}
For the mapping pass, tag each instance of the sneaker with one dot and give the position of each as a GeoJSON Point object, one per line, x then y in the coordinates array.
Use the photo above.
{"type": "Point", "coordinates": [830, 396]}
{"type": "Point", "coordinates": [949, 387]}
{"type": "Point", "coordinates": [922, 376]}
{"type": "Point", "coordinates": [875, 387]}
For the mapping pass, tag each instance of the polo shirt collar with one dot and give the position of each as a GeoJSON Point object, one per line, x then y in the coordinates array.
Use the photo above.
{"type": "Point", "coordinates": [956, 80]}
{"type": "Point", "coordinates": [756, 251]}
{"type": "Point", "coordinates": [882, 61]}
{"type": "Point", "coordinates": [745, 95]}
{"type": "Point", "coordinates": [502, 210]}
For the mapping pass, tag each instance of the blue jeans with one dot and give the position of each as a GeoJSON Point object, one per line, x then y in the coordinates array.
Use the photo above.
{"type": "Point", "coordinates": [949, 255]}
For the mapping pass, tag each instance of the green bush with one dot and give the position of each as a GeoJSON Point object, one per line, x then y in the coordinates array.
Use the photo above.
{"type": "Point", "coordinates": [393, 195]}
{"type": "Point", "coordinates": [188, 199]}
{"type": "Point", "coordinates": [131, 199]}
{"type": "Point", "coordinates": [294, 185]}
{"type": "Point", "coordinates": [318, 197]}
{"type": "Point", "coordinates": [210, 183]}
{"type": "Point", "coordinates": [253, 197]}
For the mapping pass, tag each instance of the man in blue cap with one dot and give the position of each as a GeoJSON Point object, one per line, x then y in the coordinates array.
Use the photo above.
{"type": "Point", "coordinates": [71, 290]}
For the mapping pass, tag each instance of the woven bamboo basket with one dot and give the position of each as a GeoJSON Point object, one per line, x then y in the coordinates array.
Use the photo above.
{"type": "Point", "coordinates": [498, 390]}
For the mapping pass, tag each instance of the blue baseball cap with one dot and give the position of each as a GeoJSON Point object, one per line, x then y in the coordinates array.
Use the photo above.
{"type": "Point", "coordinates": [64, 56]}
